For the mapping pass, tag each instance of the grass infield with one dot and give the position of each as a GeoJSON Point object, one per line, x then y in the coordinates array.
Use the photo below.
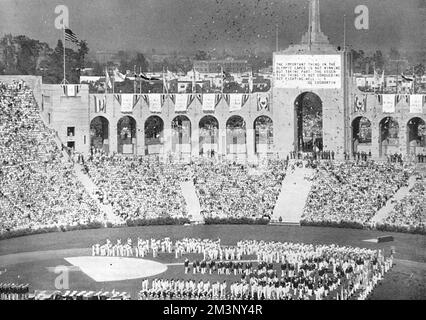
{"type": "Point", "coordinates": [405, 281]}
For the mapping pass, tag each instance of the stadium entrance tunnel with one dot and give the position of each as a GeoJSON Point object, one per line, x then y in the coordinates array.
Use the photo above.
{"type": "Point", "coordinates": [389, 136]}
{"type": "Point", "coordinates": [99, 134]}
{"type": "Point", "coordinates": [361, 134]}
{"type": "Point", "coordinates": [154, 135]}
{"type": "Point", "coordinates": [416, 135]}
{"type": "Point", "coordinates": [309, 122]}
{"type": "Point", "coordinates": [126, 135]}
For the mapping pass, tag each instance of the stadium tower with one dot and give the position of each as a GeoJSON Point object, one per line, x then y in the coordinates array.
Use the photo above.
{"type": "Point", "coordinates": [310, 75]}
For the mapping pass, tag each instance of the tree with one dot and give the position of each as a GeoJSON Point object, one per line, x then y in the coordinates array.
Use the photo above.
{"type": "Point", "coordinates": [140, 62]}
{"type": "Point", "coordinates": [202, 55]}
{"type": "Point", "coordinates": [419, 70]}
{"type": "Point", "coordinates": [394, 54]}
{"type": "Point", "coordinates": [379, 60]}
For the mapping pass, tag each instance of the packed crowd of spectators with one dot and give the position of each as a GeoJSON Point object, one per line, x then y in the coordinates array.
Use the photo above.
{"type": "Point", "coordinates": [352, 192]}
{"type": "Point", "coordinates": [226, 189]}
{"type": "Point", "coordinates": [141, 187]}
{"type": "Point", "coordinates": [137, 187]}
{"type": "Point", "coordinates": [410, 212]}
{"type": "Point", "coordinates": [38, 185]}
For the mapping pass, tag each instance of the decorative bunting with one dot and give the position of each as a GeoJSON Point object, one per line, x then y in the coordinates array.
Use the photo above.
{"type": "Point", "coordinates": [118, 98]}
{"type": "Point", "coordinates": [226, 97]}
{"type": "Point", "coordinates": [100, 104]}
{"type": "Point", "coordinates": [71, 90]}
{"type": "Point", "coordinates": [245, 98]}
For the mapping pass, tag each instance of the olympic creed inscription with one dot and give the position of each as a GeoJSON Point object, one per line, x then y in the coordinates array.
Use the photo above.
{"type": "Point", "coordinates": [307, 71]}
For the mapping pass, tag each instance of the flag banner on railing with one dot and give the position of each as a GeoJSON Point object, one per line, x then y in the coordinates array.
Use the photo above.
{"type": "Point", "coordinates": [263, 102]}
{"type": "Point", "coordinates": [209, 101]}
{"type": "Point", "coordinates": [71, 90]}
{"type": "Point", "coordinates": [416, 103]}
{"type": "Point", "coordinates": [388, 103]}
{"type": "Point", "coordinates": [235, 102]}
{"type": "Point", "coordinates": [100, 104]}
{"type": "Point", "coordinates": [126, 103]}
{"type": "Point", "coordinates": [182, 101]}
{"type": "Point", "coordinates": [360, 103]}
{"type": "Point", "coordinates": [155, 102]}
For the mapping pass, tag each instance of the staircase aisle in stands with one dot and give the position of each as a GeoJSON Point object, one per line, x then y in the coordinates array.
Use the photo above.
{"type": "Point", "coordinates": [192, 201]}
{"type": "Point", "coordinates": [387, 209]}
{"type": "Point", "coordinates": [293, 196]}
{"type": "Point", "coordinates": [91, 188]}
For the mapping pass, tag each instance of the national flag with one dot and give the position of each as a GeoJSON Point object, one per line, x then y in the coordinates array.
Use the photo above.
{"type": "Point", "coordinates": [70, 36]}
{"type": "Point", "coordinates": [406, 78]}
{"type": "Point", "coordinates": [100, 104]}
{"type": "Point", "coordinates": [250, 82]}
{"type": "Point", "coordinates": [146, 78]}
{"type": "Point", "coordinates": [108, 83]}
{"type": "Point", "coordinates": [118, 77]}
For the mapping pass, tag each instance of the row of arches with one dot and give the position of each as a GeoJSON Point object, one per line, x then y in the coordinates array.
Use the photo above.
{"type": "Point", "coordinates": [181, 133]}
{"type": "Point", "coordinates": [389, 134]}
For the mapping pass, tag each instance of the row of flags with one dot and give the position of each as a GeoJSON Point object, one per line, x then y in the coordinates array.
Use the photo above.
{"type": "Point", "coordinates": [167, 77]}
{"type": "Point", "coordinates": [379, 81]}
{"type": "Point", "coordinates": [389, 102]}
{"type": "Point", "coordinates": [181, 102]}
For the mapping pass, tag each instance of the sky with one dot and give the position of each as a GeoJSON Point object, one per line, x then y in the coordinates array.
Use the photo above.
{"type": "Point", "coordinates": [189, 25]}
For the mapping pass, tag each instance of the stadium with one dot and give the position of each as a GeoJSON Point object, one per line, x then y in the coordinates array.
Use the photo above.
{"type": "Point", "coordinates": [312, 190]}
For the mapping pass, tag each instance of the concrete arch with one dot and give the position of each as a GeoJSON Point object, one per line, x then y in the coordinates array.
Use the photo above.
{"type": "Point", "coordinates": [263, 134]}
{"type": "Point", "coordinates": [126, 135]}
{"type": "Point", "coordinates": [208, 135]}
{"type": "Point", "coordinates": [236, 135]}
{"type": "Point", "coordinates": [361, 134]}
{"type": "Point", "coordinates": [99, 134]}
{"type": "Point", "coordinates": [416, 136]}
{"type": "Point", "coordinates": [181, 135]}
{"type": "Point", "coordinates": [308, 122]}
{"type": "Point", "coordinates": [154, 135]}
{"type": "Point", "coordinates": [389, 132]}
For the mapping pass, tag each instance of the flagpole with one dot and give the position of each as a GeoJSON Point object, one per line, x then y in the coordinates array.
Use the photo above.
{"type": "Point", "coordinates": [223, 81]}
{"type": "Point", "coordinates": [65, 78]}
{"type": "Point", "coordinates": [134, 80]}
{"type": "Point", "coordinates": [140, 82]}
{"type": "Point", "coordinates": [164, 79]}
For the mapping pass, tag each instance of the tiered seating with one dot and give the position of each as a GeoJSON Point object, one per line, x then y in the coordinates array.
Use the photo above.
{"type": "Point", "coordinates": [352, 192]}
{"type": "Point", "coordinates": [229, 190]}
{"type": "Point", "coordinates": [137, 188]}
{"type": "Point", "coordinates": [410, 212]}
{"type": "Point", "coordinates": [39, 188]}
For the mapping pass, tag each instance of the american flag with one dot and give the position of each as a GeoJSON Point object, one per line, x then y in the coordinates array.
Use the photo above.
{"type": "Point", "coordinates": [70, 36]}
